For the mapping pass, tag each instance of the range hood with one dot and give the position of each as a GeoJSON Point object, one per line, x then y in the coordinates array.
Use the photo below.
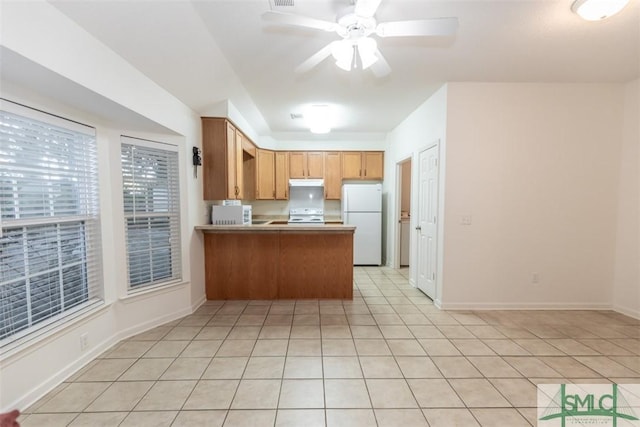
{"type": "Point", "coordinates": [306, 183]}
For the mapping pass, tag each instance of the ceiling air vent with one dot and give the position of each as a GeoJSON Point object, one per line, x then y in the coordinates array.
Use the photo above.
{"type": "Point", "coordinates": [283, 3]}
{"type": "Point", "coordinates": [295, 116]}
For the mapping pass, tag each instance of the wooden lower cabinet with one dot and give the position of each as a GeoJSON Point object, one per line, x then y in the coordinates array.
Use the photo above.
{"type": "Point", "coordinates": [315, 266]}
{"type": "Point", "coordinates": [279, 265]}
{"type": "Point", "coordinates": [241, 266]}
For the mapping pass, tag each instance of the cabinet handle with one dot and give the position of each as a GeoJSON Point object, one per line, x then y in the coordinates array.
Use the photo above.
{"type": "Point", "coordinates": [365, 172]}
{"type": "Point", "coordinates": [360, 172]}
{"type": "Point", "coordinates": [308, 173]}
{"type": "Point", "coordinates": [418, 228]}
{"type": "Point", "coordinates": [274, 194]}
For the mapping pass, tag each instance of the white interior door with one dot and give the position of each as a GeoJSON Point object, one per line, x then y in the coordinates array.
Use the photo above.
{"type": "Point", "coordinates": [427, 231]}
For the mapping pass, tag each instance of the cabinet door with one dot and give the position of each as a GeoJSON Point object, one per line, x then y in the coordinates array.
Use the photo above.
{"type": "Point", "coordinates": [332, 175]}
{"type": "Point", "coordinates": [297, 164]}
{"type": "Point", "coordinates": [239, 194]}
{"type": "Point", "coordinates": [373, 165]}
{"type": "Point", "coordinates": [215, 183]}
{"type": "Point", "coordinates": [315, 164]}
{"type": "Point", "coordinates": [265, 175]}
{"type": "Point", "coordinates": [351, 165]}
{"type": "Point", "coordinates": [232, 186]}
{"type": "Point", "coordinates": [282, 175]}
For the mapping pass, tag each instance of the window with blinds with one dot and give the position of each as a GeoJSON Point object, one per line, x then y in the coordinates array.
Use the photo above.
{"type": "Point", "coordinates": [50, 246]}
{"type": "Point", "coordinates": [150, 186]}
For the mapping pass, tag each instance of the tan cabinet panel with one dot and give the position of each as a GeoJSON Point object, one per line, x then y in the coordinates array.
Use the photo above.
{"type": "Point", "coordinates": [351, 165]}
{"type": "Point", "coordinates": [332, 175]}
{"type": "Point", "coordinates": [315, 164]}
{"type": "Point", "coordinates": [226, 166]}
{"type": "Point", "coordinates": [362, 165]}
{"type": "Point", "coordinates": [265, 175]}
{"type": "Point", "coordinates": [282, 175]}
{"type": "Point", "coordinates": [297, 164]}
{"type": "Point", "coordinates": [373, 164]}
{"type": "Point", "coordinates": [306, 164]}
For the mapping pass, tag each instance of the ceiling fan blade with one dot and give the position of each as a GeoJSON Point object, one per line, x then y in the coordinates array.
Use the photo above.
{"type": "Point", "coordinates": [424, 27]}
{"type": "Point", "coordinates": [367, 8]}
{"type": "Point", "coordinates": [381, 67]}
{"type": "Point", "coordinates": [316, 58]}
{"type": "Point", "coordinates": [298, 20]}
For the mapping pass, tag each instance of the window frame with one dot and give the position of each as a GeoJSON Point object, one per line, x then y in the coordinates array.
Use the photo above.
{"type": "Point", "coordinates": [175, 217]}
{"type": "Point", "coordinates": [89, 225]}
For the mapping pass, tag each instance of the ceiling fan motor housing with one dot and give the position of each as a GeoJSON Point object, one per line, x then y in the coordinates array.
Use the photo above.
{"type": "Point", "coordinates": [352, 26]}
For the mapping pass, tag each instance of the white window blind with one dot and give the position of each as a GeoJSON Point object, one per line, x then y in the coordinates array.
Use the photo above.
{"type": "Point", "coordinates": [150, 185]}
{"type": "Point", "coordinates": [50, 247]}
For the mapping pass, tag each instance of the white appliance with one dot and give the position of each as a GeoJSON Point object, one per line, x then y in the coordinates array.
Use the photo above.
{"type": "Point", "coordinates": [362, 207]}
{"type": "Point", "coordinates": [306, 201]}
{"type": "Point", "coordinates": [405, 235]}
{"type": "Point", "coordinates": [230, 214]}
{"type": "Point", "coordinates": [306, 216]}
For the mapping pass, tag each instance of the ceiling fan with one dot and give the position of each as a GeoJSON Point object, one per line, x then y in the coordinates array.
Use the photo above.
{"type": "Point", "coordinates": [356, 25]}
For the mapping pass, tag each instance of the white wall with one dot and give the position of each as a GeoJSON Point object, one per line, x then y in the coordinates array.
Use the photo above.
{"type": "Point", "coordinates": [425, 126]}
{"type": "Point", "coordinates": [68, 51]}
{"type": "Point", "coordinates": [405, 203]}
{"type": "Point", "coordinates": [626, 288]}
{"type": "Point", "coordinates": [536, 165]}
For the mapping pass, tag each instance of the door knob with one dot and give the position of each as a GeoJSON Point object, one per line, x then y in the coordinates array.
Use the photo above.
{"type": "Point", "coordinates": [418, 228]}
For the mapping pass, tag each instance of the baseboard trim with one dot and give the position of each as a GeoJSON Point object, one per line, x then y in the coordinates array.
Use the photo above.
{"type": "Point", "coordinates": [45, 387]}
{"type": "Point", "coordinates": [523, 306]}
{"type": "Point", "coordinates": [635, 313]}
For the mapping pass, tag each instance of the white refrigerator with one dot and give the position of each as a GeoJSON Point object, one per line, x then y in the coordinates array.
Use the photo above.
{"type": "Point", "coordinates": [362, 207]}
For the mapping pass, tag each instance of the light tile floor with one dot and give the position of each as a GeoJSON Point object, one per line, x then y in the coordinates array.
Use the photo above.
{"type": "Point", "coordinates": [386, 358]}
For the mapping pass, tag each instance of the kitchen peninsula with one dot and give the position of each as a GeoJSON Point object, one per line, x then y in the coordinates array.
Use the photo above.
{"type": "Point", "coordinates": [278, 261]}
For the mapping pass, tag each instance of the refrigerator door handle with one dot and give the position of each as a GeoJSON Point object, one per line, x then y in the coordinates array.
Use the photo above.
{"type": "Point", "coordinates": [346, 200]}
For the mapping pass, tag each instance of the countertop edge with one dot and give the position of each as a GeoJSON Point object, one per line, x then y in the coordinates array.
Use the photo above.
{"type": "Point", "coordinates": [335, 228]}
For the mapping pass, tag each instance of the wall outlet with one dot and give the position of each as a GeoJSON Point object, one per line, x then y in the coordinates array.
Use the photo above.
{"type": "Point", "coordinates": [535, 278]}
{"type": "Point", "coordinates": [84, 341]}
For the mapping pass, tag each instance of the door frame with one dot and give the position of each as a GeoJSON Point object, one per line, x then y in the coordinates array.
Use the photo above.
{"type": "Point", "coordinates": [398, 209]}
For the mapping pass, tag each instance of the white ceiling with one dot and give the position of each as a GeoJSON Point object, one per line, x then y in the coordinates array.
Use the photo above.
{"type": "Point", "coordinates": [204, 52]}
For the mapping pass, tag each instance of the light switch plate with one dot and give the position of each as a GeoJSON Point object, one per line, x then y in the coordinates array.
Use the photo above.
{"type": "Point", "coordinates": [465, 220]}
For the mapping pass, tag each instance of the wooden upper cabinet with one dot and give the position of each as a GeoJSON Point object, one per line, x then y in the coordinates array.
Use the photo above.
{"type": "Point", "coordinates": [306, 164]}
{"type": "Point", "coordinates": [351, 165]}
{"type": "Point", "coordinates": [373, 164]}
{"type": "Point", "coordinates": [228, 161]}
{"type": "Point", "coordinates": [239, 176]}
{"type": "Point", "coordinates": [282, 175]}
{"type": "Point", "coordinates": [315, 164]}
{"type": "Point", "coordinates": [297, 164]}
{"type": "Point", "coordinates": [265, 174]}
{"type": "Point", "coordinates": [362, 165]}
{"type": "Point", "coordinates": [332, 175]}
{"type": "Point", "coordinates": [218, 159]}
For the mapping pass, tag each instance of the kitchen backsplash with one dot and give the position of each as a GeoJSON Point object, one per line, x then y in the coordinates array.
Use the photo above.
{"type": "Point", "coordinates": [281, 207]}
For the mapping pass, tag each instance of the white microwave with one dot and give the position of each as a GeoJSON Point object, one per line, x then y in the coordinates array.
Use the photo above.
{"type": "Point", "coordinates": [230, 215]}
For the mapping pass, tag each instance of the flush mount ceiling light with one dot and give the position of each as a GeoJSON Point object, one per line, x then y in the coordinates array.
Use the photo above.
{"type": "Point", "coordinates": [596, 10]}
{"type": "Point", "coordinates": [319, 118]}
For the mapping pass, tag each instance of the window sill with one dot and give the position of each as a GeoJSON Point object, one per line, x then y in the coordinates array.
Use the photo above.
{"type": "Point", "coordinates": [41, 337]}
{"type": "Point", "coordinates": [146, 292]}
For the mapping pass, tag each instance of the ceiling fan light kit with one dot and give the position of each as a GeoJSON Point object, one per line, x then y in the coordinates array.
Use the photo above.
{"type": "Point", "coordinates": [356, 25]}
{"type": "Point", "coordinates": [597, 10]}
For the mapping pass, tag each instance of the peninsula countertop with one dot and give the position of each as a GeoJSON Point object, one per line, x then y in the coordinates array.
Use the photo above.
{"type": "Point", "coordinates": [277, 226]}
